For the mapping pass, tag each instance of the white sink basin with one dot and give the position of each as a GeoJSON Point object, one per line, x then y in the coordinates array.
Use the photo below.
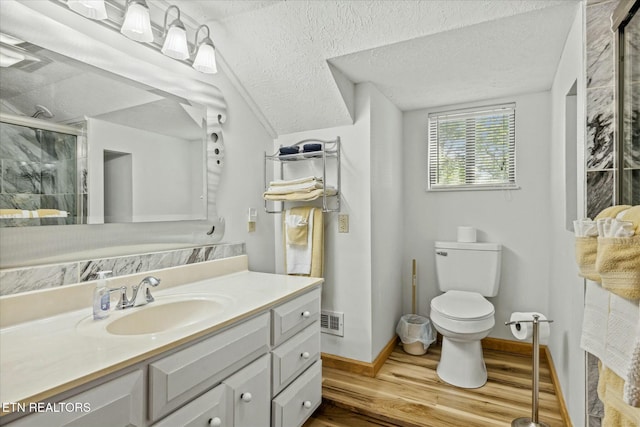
{"type": "Point", "coordinates": [163, 315]}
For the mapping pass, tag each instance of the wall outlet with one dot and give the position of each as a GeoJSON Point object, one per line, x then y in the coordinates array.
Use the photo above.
{"type": "Point", "coordinates": [343, 223]}
{"type": "Point", "coordinates": [251, 226]}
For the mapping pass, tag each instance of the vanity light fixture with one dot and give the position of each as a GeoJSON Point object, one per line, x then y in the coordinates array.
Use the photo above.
{"type": "Point", "coordinates": [137, 23]}
{"type": "Point", "coordinates": [205, 60]}
{"type": "Point", "coordinates": [175, 42]}
{"type": "Point", "coordinates": [92, 9]}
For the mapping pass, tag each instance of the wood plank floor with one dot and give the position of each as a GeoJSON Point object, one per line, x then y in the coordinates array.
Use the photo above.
{"type": "Point", "coordinates": [407, 392]}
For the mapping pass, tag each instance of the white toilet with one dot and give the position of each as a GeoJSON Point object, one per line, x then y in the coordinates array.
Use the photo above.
{"type": "Point", "coordinates": [466, 272]}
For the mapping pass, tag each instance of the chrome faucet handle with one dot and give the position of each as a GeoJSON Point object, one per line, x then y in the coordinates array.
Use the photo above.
{"type": "Point", "coordinates": [124, 301]}
{"type": "Point", "coordinates": [153, 281]}
{"type": "Point", "coordinates": [142, 293]}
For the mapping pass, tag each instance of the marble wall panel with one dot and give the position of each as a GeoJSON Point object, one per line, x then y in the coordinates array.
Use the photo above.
{"type": "Point", "coordinates": [13, 281]}
{"type": "Point", "coordinates": [19, 143]}
{"type": "Point", "coordinates": [20, 176]}
{"type": "Point", "coordinates": [600, 44]}
{"type": "Point", "coordinates": [56, 146]}
{"type": "Point", "coordinates": [600, 191]}
{"type": "Point", "coordinates": [36, 162]}
{"type": "Point", "coordinates": [59, 177]}
{"type": "Point", "coordinates": [600, 127]}
{"type": "Point", "coordinates": [17, 280]}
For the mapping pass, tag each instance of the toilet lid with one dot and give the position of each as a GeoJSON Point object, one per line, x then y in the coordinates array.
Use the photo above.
{"type": "Point", "coordinates": [462, 305]}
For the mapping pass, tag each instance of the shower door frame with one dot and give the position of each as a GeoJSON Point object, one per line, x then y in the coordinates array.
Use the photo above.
{"type": "Point", "coordinates": [623, 13]}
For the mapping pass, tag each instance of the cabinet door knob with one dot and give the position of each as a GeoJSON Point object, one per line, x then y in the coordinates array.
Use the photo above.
{"type": "Point", "coordinates": [306, 404]}
{"type": "Point", "coordinates": [306, 314]}
{"type": "Point", "coordinates": [305, 355]}
{"type": "Point", "coordinates": [246, 397]}
{"type": "Point", "coordinates": [215, 422]}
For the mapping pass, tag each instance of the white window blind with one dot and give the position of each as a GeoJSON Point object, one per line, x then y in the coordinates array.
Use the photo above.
{"type": "Point", "coordinates": [472, 148]}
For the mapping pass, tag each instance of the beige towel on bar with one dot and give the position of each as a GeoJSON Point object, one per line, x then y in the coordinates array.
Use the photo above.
{"type": "Point", "coordinates": [297, 225]}
{"type": "Point", "coordinates": [317, 241]}
{"type": "Point", "coordinates": [618, 259]}
{"type": "Point", "coordinates": [616, 412]}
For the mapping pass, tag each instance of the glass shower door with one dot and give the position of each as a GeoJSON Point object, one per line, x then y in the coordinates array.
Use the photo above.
{"type": "Point", "coordinates": [38, 177]}
{"type": "Point", "coordinates": [629, 109]}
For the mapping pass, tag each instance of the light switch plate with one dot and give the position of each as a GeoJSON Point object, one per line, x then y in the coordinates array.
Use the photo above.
{"type": "Point", "coordinates": [343, 223]}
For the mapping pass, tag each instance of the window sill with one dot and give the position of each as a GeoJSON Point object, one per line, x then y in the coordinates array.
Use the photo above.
{"type": "Point", "coordinates": [472, 188]}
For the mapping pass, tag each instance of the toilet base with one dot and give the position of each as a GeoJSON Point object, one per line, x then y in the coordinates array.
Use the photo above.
{"type": "Point", "coordinates": [462, 364]}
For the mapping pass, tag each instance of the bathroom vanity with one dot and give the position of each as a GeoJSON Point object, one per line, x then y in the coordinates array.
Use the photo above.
{"type": "Point", "coordinates": [239, 349]}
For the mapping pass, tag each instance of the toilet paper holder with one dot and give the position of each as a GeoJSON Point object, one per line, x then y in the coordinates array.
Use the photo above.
{"type": "Point", "coordinates": [533, 421]}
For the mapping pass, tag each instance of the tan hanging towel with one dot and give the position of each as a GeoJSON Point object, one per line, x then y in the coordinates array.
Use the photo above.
{"type": "Point", "coordinates": [300, 259]}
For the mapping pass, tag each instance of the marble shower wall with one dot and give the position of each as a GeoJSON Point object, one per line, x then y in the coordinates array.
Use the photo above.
{"type": "Point", "coordinates": [600, 106]}
{"type": "Point", "coordinates": [16, 280]}
{"type": "Point", "coordinates": [38, 171]}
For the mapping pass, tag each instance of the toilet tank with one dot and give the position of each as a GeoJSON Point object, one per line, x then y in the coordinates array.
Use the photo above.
{"type": "Point", "coordinates": [473, 267]}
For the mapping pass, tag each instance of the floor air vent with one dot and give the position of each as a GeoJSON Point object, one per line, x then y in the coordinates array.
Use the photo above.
{"type": "Point", "coordinates": [332, 322]}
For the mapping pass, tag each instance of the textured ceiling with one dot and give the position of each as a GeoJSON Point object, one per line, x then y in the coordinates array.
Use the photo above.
{"type": "Point", "coordinates": [419, 53]}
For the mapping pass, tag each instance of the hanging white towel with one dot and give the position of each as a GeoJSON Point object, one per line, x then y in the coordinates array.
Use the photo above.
{"type": "Point", "coordinates": [594, 323]}
{"type": "Point", "coordinates": [621, 334]}
{"type": "Point", "coordinates": [299, 256]}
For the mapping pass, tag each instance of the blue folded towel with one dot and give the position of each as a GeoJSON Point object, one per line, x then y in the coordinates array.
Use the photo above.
{"type": "Point", "coordinates": [311, 147]}
{"type": "Point", "coordinates": [288, 150]}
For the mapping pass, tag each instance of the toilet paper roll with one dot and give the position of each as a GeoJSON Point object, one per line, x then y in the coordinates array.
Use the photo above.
{"type": "Point", "coordinates": [466, 234]}
{"type": "Point", "coordinates": [524, 331]}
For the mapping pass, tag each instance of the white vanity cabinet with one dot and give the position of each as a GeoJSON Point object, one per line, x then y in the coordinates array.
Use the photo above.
{"type": "Point", "coordinates": [179, 377]}
{"type": "Point", "coordinates": [296, 368]}
{"type": "Point", "coordinates": [212, 409]}
{"type": "Point", "coordinates": [116, 403]}
{"type": "Point", "coordinates": [259, 371]}
{"type": "Point", "coordinates": [251, 394]}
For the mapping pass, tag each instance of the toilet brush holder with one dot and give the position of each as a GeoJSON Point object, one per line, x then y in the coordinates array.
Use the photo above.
{"type": "Point", "coordinates": [533, 421]}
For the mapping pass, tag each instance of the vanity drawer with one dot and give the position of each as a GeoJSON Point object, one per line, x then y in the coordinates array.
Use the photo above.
{"type": "Point", "coordinates": [297, 402]}
{"type": "Point", "coordinates": [117, 403]}
{"type": "Point", "coordinates": [293, 316]}
{"type": "Point", "coordinates": [214, 408]}
{"type": "Point", "coordinates": [250, 394]}
{"type": "Point", "coordinates": [294, 356]}
{"type": "Point", "coordinates": [178, 378]}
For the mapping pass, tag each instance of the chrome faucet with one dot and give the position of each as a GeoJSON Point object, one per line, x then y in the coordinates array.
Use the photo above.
{"type": "Point", "coordinates": [141, 293]}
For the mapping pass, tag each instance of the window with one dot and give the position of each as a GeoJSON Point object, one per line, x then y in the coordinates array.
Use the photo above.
{"type": "Point", "coordinates": [472, 149]}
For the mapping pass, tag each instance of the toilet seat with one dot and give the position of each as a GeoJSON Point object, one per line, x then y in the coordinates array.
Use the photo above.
{"type": "Point", "coordinates": [462, 306]}
{"type": "Point", "coordinates": [462, 315]}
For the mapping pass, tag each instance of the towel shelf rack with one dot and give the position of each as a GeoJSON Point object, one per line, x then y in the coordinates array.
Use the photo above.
{"type": "Point", "coordinates": [328, 153]}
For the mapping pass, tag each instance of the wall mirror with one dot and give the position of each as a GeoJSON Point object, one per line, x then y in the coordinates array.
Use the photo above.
{"type": "Point", "coordinates": [47, 33]}
{"type": "Point", "coordinates": [81, 145]}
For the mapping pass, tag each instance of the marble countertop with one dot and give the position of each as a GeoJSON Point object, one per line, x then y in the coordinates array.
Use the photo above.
{"type": "Point", "coordinates": [45, 357]}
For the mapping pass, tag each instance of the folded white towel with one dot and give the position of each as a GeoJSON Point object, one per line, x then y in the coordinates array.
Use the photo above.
{"type": "Point", "coordinates": [611, 227]}
{"type": "Point", "coordinates": [285, 189]}
{"type": "Point", "coordinates": [299, 256]}
{"type": "Point", "coordinates": [306, 179]}
{"type": "Point", "coordinates": [585, 228]}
